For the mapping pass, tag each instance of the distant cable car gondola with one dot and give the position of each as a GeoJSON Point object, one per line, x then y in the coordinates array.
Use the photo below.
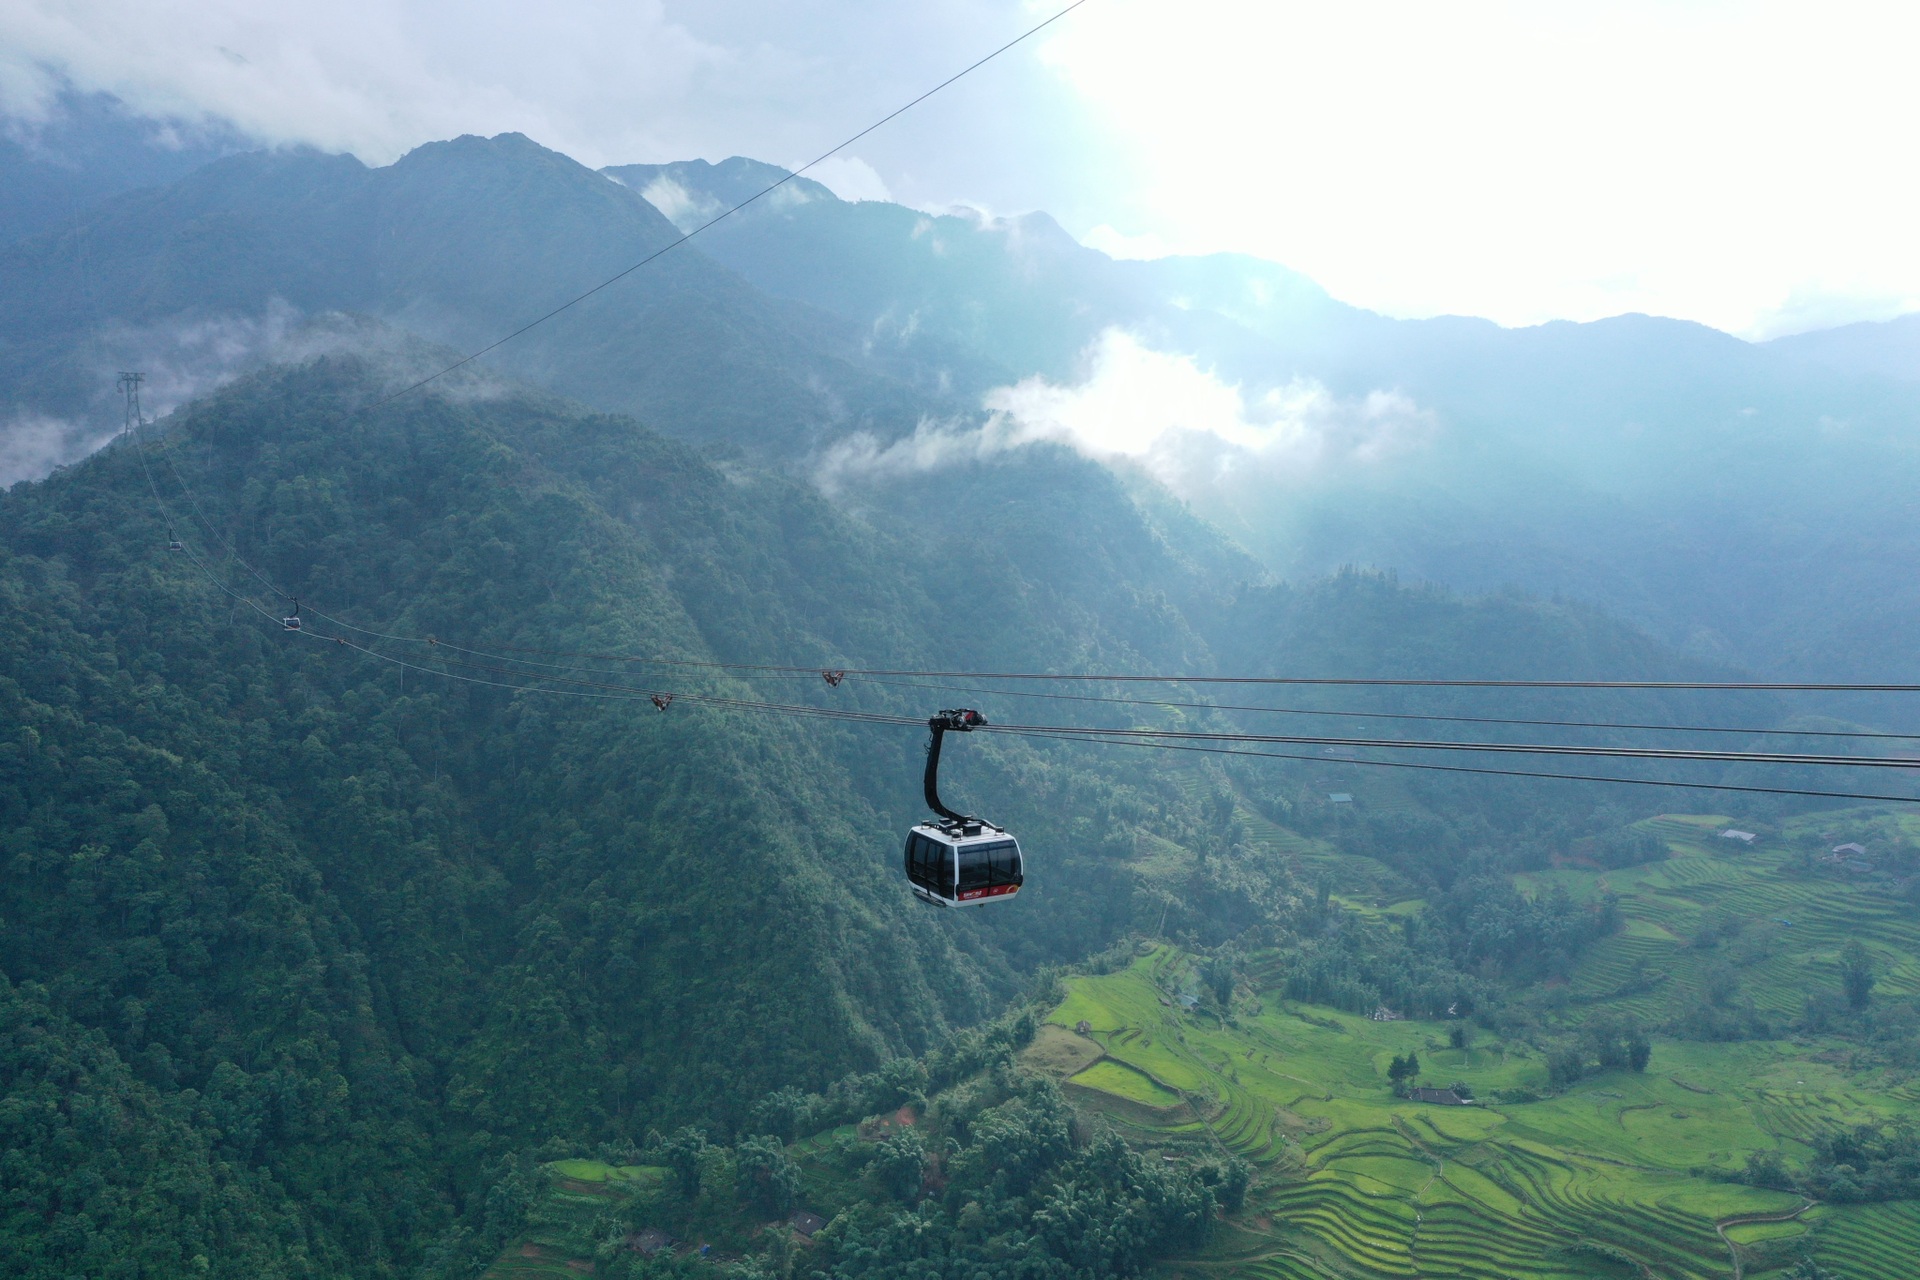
{"type": "Point", "coordinates": [958, 861]}
{"type": "Point", "coordinates": [292, 621]}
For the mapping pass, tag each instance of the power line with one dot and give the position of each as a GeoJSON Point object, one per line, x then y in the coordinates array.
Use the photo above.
{"type": "Point", "coordinates": [768, 190]}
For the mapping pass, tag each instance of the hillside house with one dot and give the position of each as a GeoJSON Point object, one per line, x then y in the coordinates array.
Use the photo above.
{"type": "Point", "coordinates": [1384, 1014]}
{"type": "Point", "coordinates": [650, 1241]}
{"type": "Point", "coordinates": [1744, 837]}
{"type": "Point", "coordinates": [1438, 1097]}
{"type": "Point", "coordinates": [1848, 850]}
{"type": "Point", "coordinates": [805, 1223]}
{"type": "Point", "coordinates": [1339, 797]}
{"type": "Point", "coordinates": [1083, 1028]}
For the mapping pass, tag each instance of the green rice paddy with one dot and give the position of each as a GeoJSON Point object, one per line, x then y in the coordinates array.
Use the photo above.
{"type": "Point", "coordinates": [1615, 1177]}
{"type": "Point", "coordinates": [1109, 1075]}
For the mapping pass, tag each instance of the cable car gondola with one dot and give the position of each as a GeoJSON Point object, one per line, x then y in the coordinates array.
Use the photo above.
{"type": "Point", "coordinates": [292, 621]}
{"type": "Point", "coordinates": [956, 860]}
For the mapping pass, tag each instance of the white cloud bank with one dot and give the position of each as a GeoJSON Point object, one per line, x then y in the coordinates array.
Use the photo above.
{"type": "Point", "coordinates": [33, 444]}
{"type": "Point", "coordinates": [1742, 164]}
{"type": "Point", "coordinates": [1163, 412]}
{"type": "Point", "coordinates": [605, 81]}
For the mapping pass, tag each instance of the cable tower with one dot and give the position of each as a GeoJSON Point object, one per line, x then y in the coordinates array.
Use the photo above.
{"type": "Point", "coordinates": [128, 386]}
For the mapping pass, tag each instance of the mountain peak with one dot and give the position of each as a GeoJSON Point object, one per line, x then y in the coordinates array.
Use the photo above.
{"type": "Point", "coordinates": [689, 192]}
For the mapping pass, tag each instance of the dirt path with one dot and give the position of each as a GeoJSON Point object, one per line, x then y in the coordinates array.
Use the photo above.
{"type": "Point", "coordinates": [1733, 1250]}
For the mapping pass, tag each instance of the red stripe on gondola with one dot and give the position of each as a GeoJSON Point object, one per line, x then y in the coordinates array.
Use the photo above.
{"type": "Point", "coordinates": [969, 895]}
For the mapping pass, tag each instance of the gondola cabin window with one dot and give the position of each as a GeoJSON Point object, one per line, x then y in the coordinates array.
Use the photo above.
{"type": "Point", "coordinates": [930, 864]}
{"type": "Point", "coordinates": [985, 867]}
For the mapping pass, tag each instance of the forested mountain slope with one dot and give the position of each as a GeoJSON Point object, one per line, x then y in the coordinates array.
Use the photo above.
{"type": "Point", "coordinates": [332, 936]}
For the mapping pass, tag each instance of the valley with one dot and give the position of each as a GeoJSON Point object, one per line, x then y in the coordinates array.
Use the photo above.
{"type": "Point", "coordinates": [533, 908]}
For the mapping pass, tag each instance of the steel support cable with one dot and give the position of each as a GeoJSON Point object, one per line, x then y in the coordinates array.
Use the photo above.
{"type": "Point", "coordinates": [1407, 715]}
{"type": "Point", "coordinates": [761, 194]}
{"type": "Point", "coordinates": [1679, 686]}
{"type": "Point", "coordinates": [508, 653]}
{"type": "Point", "coordinates": [232, 551]}
{"type": "Point", "coordinates": [199, 564]}
{"type": "Point", "coordinates": [140, 449]}
{"type": "Point", "coordinates": [633, 693]}
{"type": "Point", "coordinates": [1084, 738]}
{"type": "Point", "coordinates": [1502, 748]}
{"type": "Point", "coordinates": [1461, 768]}
{"type": "Point", "coordinates": [1554, 749]}
{"type": "Point", "coordinates": [1055, 736]}
{"type": "Point", "coordinates": [1166, 746]}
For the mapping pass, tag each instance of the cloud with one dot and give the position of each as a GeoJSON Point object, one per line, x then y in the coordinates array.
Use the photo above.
{"type": "Point", "coordinates": [850, 178]}
{"type": "Point", "coordinates": [605, 81]}
{"type": "Point", "coordinates": [683, 208]}
{"type": "Point", "coordinates": [184, 360]}
{"type": "Point", "coordinates": [32, 445]}
{"type": "Point", "coordinates": [1161, 411]}
{"type": "Point", "coordinates": [932, 446]}
{"type": "Point", "coordinates": [1189, 427]}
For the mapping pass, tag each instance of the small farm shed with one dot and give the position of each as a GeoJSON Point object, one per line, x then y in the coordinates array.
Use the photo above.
{"type": "Point", "coordinates": [805, 1223]}
{"type": "Point", "coordinates": [1439, 1097]}
{"type": "Point", "coordinates": [1744, 837]}
{"type": "Point", "coordinates": [650, 1241]}
{"type": "Point", "coordinates": [1340, 797]}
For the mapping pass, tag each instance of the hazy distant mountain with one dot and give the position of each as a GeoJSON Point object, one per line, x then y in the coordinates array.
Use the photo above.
{"type": "Point", "coordinates": [1747, 500]}
{"type": "Point", "coordinates": [88, 148]}
{"type": "Point", "coordinates": [1890, 347]}
{"type": "Point", "coordinates": [460, 241]}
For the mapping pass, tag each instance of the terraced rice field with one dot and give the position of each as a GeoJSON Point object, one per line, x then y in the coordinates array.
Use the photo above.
{"type": "Point", "coordinates": [558, 1243]}
{"type": "Point", "coordinates": [1605, 1180]}
{"type": "Point", "coordinates": [1792, 926]}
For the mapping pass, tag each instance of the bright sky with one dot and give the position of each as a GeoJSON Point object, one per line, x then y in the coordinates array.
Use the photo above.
{"type": "Point", "coordinates": [1745, 164]}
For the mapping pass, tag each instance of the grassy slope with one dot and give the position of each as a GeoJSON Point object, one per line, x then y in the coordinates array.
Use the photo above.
{"type": "Point", "coordinates": [1606, 1179]}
